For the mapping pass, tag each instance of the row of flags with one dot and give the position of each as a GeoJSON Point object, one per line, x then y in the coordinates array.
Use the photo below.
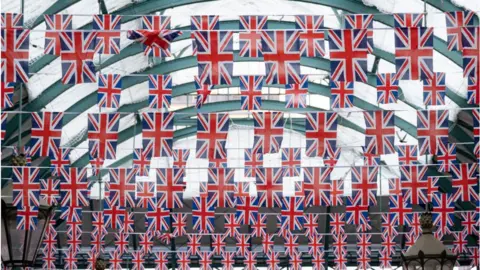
{"type": "Point", "coordinates": [280, 49]}
{"type": "Point", "coordinates": [212, 133]}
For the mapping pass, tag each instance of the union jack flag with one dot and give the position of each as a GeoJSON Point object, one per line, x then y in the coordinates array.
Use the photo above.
{"type": "Point", "coordinates": [74, 187]}
{"type": "Point", "coordinates": [170, 187]}
{"type": "Point", "coordinates": [387, 88]}
{"type": "Point", "coordinates": [414, 53]}
{"type": "Point", "coordinates": [180, 157]}
{"type": "Point", "coordinates": [183, 261]}
{"type": "Point", "coordinates": [146, 242]}
{"type": "Point", "coordinates": [268, 132]}
{"type": "Point", "coordinates": [160, 91]}
{"type": "Point", "coordinates": [407, 154]}
{"type": "Point", "coordinates": [46, 133]}
{"type": "Point", "coordinates": [145, 194]}
{"type": "Point", "coordinates": [203, 91]}
{"type": "Point", "coordinates": [250, 260]}
{"type": "Point", "coordinates": [103, 134]}
{"type": "Point", "coordinates": [203, 214]}
{"type": "Point", "coordinates": [336, 193]}
{"type": "Point", "coordinates": [446, 156]}
{"type": "Point", "coordinates": [70, 259]}
{"type": "Point", "coordinates": [296, 93]}
{"type": "Point", "coordinates": [109, 90]}
{"type": "Point", "coordinates": [7, 95]}
{"type": "Point", "coordinates": [361, 21]}
{"type": "Point", "coordinates": [114, 216]}
{"type": "Point", "coordinates": [253, 163]}
{"type": "Point", "coordinates": [179, 224]}
{"type": "Point", "coordinates": [312, 37]}
{"type": "Point", "coordinates": [218, 244]}
{"type": "Point", "coordinates": [243, 244]}
{"type": "Point", "coordinates": [137, 260]}
{"type": "Point", "coordinates": [251, 92]}
{"type": "Point", "coordinates": [295, 260]}
{"type": "Point", "coordinates": [50, 190]}
{"type": "Point", "coordinates": [221, 187]}
{"type": "Point", "coordinates": [214, 56]}
{"type": "Point", "coordinates": [443, 213]}
{"type": "Point", "coordinates": [232, 226]}
{"type": "Point", "coordinates": [348, 54]}
{"type": "Point", "coordinates": [379, 132]}
{"type": "Point", "coordinates": [15, 55]}
{"type": "Point", "coordinates": [470, 222]}
{"type": "Point", "coordinates": [4, 117]}
{"type": "Point", "coordinates": [212, 131]}
{"type": "Point", "coordinates": [27, 217]}
{"type": "Point", "coordinates": [121, 243]}
{"type": "Point", "coordinates": [342, 95]}
{"type": "Point", "coordinates": [291, 215]}
{"type": "Point", "coordinates": [434, 90]}
{"type": "Point", "coordinates": [340, 251]}
{"type": "Point", "coordinates": [363, 250]}
{"type": "Point", "coordinates": [161, 260]}
{"type": "Point", "coordinates": [158, 132]}
{"type": "Point", "coordinates": [202, 23]}
{"type": "Point", "coordinates": [141, 160]}
{"type": "Point", "coordinates": [205, 260]}
{"type": "Point", "coordinates": [251, 41]}
{"type": "Point", "coordinates": [156, 43]}
{"type": "Point", "coordinates": [470, 52]}
{"type": "Point", "coordinates": [473, 91]}
{"type": "Point", "coordinates": [122, 187]}
{"type": "Point", "coordinates": [408, 20]}
{"type": "Point", "coordinates": [460, 242]}
{"type": "Point", "coordinates": [281, 54]}
{"type": "Point", "coordinates": [432, 130]}
{"type": "Point", "coordinates": [337, 223]}
{"type": "Point", "coordinates": [400, 211]}
{"type": "Point", "coordinates": [364, 185]}
{"type": "Point", "coordinates": [317, 186]}
{"type": "Point", "coordinates": [388, 243]}
{"type": "Point", "coordinates": [115, 259]}
{"type": "Point", "coordinates": [270, 187]}
{"type": "Point", "coordinates": [157, 23]}
{"type": "Point", "coordinates": [291, 161]}
{"type": "Point", "coordinates": [158, 219]}
{"type": "Point", "coordinates": [108, 36]}
{"type": "Point", "coordinates": [273, 260]}
{"type": "Point", "coordinates": [414, 184]}
{"type": "Point", "coordinates": [357, 215]}
{"type": "Point", "coordinates": [193, 244]}
{"type": "Point", "coordinates": [246, 210]}
{"type": "Point", "coordinates": [414, 223]}
{"type": "Point", "coordinates": [476, 132]}
{"type": "Point", "coordinates": [455, 21]}
{"type": "Point", "coordinates": [387, 228]}
{"type": "Point", "coordinates": [11, 20]}
{"type": "Point", "coordinates": [59, 159]}
{"type": "Point", "coordinates": [321, 133]}
{"type": "Point", "coordinates": [25, 187]}
{"type": "Point", "coordinates": [77, 52]}
{"type": "Point", "coordinates": [55, 25]}
{"type": "Point", "coordinates": [96, 163]}
{"type": "Point", "coordinates": [465, 182]}
{"type": "Point", "coordinates": [260, 226]}
{"type": "Point", "coordinates": [318, 260]}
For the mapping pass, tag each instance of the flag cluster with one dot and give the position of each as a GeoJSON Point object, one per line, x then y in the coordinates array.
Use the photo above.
{"type": "Point", "coordinates": [247, 233]}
